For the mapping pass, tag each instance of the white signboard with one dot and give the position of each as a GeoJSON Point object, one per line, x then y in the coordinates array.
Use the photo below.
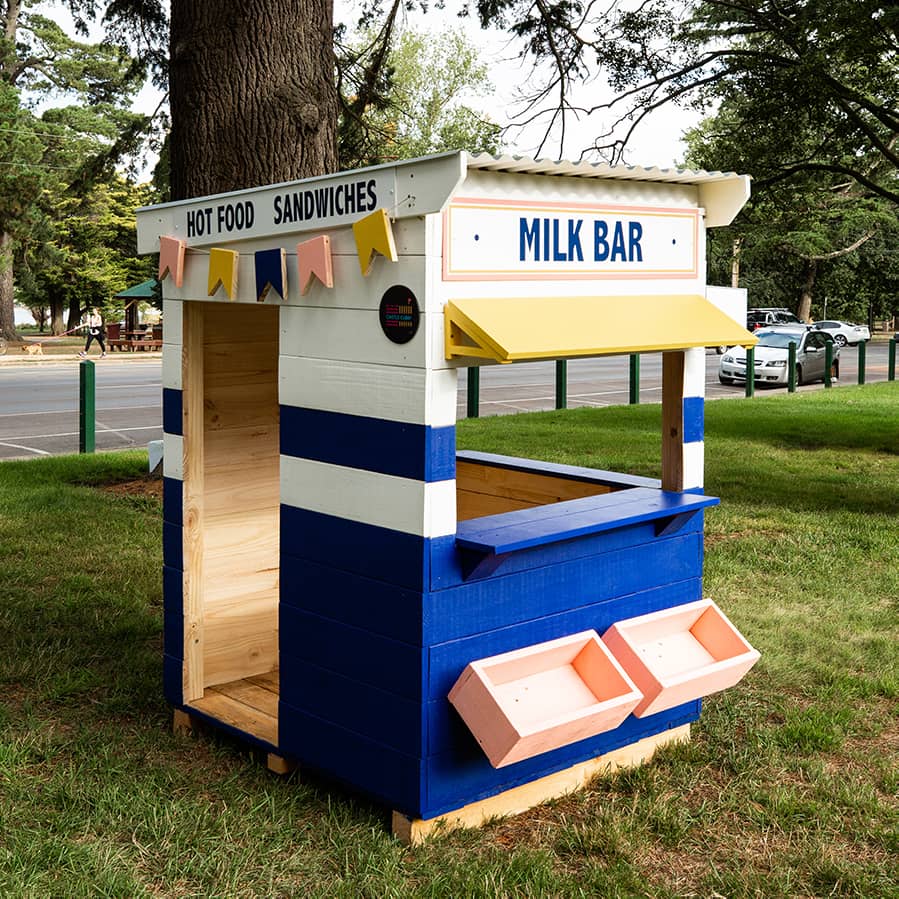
{"type": "Point", "coordinates": [515, 240]}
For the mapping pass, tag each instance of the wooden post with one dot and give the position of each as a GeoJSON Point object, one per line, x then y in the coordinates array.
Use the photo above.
{"type": "Point", "coordinates": [193, 430]}
{"type": "Point", "coordinates": [673, 421]}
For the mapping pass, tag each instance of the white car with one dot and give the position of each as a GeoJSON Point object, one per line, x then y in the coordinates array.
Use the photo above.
{"type": "Point", "coordinates": [772, 355]}
{"type": "Point", "coordinates": [844, 332]}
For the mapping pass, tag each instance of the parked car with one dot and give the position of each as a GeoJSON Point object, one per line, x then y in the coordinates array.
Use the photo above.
{"type": "Point", "coordinates": [760, 318]}
{"type": "Point", "coordinates": [844, 332]}
{"type": "Point", "coordinates": [772, 357]}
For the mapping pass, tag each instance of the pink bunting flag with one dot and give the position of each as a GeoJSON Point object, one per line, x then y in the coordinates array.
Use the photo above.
{"type": "Point", "coordinates": [171, 258]}
{"type": "Point", "coordinates": [314, 259]}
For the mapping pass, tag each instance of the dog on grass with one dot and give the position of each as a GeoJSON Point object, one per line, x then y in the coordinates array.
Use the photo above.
{"type": "Point", "coordinates": [34, 349]}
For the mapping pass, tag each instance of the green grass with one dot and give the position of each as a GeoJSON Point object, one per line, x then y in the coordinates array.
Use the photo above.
{"type": "Point", "coordinates": [788, 787]}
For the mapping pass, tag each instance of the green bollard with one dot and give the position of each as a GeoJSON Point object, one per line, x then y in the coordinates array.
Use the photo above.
{"type": "Point", "coordinates": [861, 361]}
{"type": "Point", "coordinates": [750, 371]}
{"type": "Point", "coordinates": [891, 364]}
{"type": "Point", "coordinates": [828, 364]}
{"type": "Point", "coordinates": [87, 407]}
{"type": "Point", "coordinates": [791, 370]}
{"type": "Point", "coordinates": [561, 383]}
{"type": "Point", "coordinates": [474, 391]}
{"type": "Point", "coordinates": [634, 393]}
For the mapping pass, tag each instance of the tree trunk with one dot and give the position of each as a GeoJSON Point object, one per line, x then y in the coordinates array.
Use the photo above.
{"type": "Point", "coordinates": [7, 291]}
{"type": "Point", "coordinates": [808, 285]}
{"type": "Point", "coordinates": [75, 312]}
{"type": "Point", "coordinates": [252, 93]}
{"type": "Point", "coordinates": [735, 262]}
{"type": "Point", "coordinates": [56, 325]}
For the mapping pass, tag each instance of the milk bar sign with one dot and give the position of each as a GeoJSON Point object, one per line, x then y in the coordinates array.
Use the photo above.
{"type": "Point", "coordinates": [510, 240]}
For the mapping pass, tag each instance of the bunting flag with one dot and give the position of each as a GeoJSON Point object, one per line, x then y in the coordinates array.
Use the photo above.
{"type": "Point", "coordinates": [271, 272]}
{"type": "Point", "coordinates": [314, 259]}
{"type": "Point", "coordinates": [374, 235]}
{"type": "Point", "coordinates": [223, 271]}
{"type": "Point", "coordinates": [171, 258]}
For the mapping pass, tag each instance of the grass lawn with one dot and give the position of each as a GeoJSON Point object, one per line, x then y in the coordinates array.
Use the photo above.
{"type": "Point", "coordinates": [788, 788]}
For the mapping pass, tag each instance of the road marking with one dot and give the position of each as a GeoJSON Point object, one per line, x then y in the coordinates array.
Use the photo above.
{"type": "Point", "coordinates": [29, 449]}
{"type": "Point", "coordinates": [75, 409]}
{"type": "Point", "coordinates": [75, 433]}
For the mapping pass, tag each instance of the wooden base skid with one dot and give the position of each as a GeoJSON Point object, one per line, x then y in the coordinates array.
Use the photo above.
{"type": "Point", "coordinates": [520, 799]}
{"type": "Point", "coordinates": [185, 725]}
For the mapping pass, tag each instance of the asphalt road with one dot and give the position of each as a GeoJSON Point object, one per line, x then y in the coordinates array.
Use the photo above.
{"type": "Point", "coordinates": [39, 400]}
{"type": "Point", "coordinates": [39, 406]}
{"type": "Point", "coordinates": [527, 387]}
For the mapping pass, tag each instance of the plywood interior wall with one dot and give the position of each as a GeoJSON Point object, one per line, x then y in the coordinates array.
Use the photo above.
{"type": "Point", "coordinates": [241, 491]}
{"type": "Point", "coordinates": [489, 490]}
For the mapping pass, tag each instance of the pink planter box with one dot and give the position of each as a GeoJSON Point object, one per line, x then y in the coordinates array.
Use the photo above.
{"type": "Point", "coordinates": [522, 703]}
{"type": "Point", "coordinates": [680, 654]}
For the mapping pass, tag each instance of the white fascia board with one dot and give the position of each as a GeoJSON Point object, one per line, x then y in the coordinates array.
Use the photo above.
{"type": "Point", "coordinates": [414, 188]}
{"type": "Point", "coordinates": [723, 199]}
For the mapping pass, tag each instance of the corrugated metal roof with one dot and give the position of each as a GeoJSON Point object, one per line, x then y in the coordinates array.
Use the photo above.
{"type": "Point", "coordinates": [524, 165]}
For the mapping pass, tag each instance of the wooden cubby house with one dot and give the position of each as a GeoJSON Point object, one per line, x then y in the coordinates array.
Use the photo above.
{"type": "Point", "coordinates": [455, 634]}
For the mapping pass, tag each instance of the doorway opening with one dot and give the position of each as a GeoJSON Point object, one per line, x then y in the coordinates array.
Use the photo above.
{"type": "Point", "coordinates": [231, 514]}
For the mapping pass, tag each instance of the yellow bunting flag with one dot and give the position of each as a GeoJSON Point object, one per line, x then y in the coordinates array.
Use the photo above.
{"type": "Point", "coordinates": [374, 235]}
{"type": "Point", "coordinates": [171, 259]}
{"type": "Point", "coordinates": [314, 260]}
{"type": "Point", "coordinates": [222, 271]}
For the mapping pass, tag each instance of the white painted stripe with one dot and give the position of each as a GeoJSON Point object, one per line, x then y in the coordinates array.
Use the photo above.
{"type": "Point", "coordinates": [401, 504]}
{"type": "Point", "coordinates": [353, 335]}
{"type": "Point", "coordinates": [694, 465]}
{"type": "Point", "coordinates": [173, 456]}
{"type": "Point", "coordinates": [171, 366]}
{"type": "Point", "coordinates": [74, 409]}
{"type": "Point", "coordinates": [413, 395]}
{"type": "Point", "coordinates": [694, 372]}
{"type": "Point", "coordinates": [28, 449]}
{"type": "Point", "coordinates": [75, 433]}
{"type": "Point", "coordinates": [172, 322]}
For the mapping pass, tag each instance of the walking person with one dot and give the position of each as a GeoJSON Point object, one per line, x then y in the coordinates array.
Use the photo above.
{"type": "Point", "coordinates": [95, 331]}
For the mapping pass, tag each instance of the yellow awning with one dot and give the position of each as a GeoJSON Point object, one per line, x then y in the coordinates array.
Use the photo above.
{"type": "Point", "coordinates": [515, 329]}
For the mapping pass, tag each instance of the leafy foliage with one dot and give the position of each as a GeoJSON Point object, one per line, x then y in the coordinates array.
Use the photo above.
{"type": "Point", "coordinates": [416, 101]}
{"type": "Point", "coordinates": [66, 124]}
{"type": "Point", "coordinates": [807, 242]}
{"type": "Point", "coordinates": [798, 67]}
{"type": "Point", "coordinates": [91, 255]}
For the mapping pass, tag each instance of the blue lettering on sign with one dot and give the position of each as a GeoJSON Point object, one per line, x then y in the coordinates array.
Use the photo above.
{"type": "Point", "coordinates": [547, 240]}
{"type": "Point", "coordinates": [600, 244]}
{"type": "Point", "coordinates": [574, 240]}
{"type": "Point", "coordinates": [528, 238]}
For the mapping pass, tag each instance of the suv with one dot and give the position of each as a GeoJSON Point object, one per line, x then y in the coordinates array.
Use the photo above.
{"type": "Point", "coordinates": [760, 318]}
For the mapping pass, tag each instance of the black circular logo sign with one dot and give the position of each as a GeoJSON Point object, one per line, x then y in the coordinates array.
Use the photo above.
{"type": "Point", "coordinates": [399, 314]}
